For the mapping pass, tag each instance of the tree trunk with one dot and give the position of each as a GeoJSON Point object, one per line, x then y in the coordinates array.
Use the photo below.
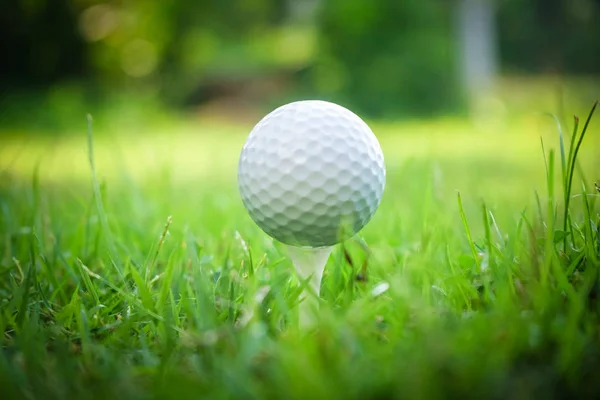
{"type": "Point", "coordinates": [478, 45]}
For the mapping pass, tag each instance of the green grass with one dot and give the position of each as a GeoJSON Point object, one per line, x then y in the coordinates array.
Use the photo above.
{"type": "Point", "coordinates": [133, 271]}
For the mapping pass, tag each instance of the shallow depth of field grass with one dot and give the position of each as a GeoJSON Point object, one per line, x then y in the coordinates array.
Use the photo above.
{"type": "Point", "coordinates": [144, 277]}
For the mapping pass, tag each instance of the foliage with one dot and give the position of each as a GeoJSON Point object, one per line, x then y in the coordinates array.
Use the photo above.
{"type": "Point", "coordinates": [555, 36]}
{"type": "Point", "coordinates": [388, 58]}
{"type": "Point", "coordinates": [382, 58]}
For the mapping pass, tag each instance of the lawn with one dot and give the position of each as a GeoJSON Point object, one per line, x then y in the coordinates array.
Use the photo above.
{"type": "Point", "coordinates": [147, 278]}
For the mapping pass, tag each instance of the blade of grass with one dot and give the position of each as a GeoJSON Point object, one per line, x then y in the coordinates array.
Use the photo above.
{"type": "Point", "coordinates": [24, 289]}
{"type": "Point", "coordinates": [572, 160]}
{"type": "Point", "coordinates": [566, 188]}
{"type": "Point", "coordinates": [166, 284]}
{"type": "Point", "coordinates": [143, 290]}
{"type": "Point", "coordinates": [549, 248]}
{"type": "Point", "coordinates": [99, 204]}
{"type": "Point", "coordinates": [563, 160]}
{"type": "Point", "coordinates": [466, 299]}
{"type": "Point", "coordinates": [488, 236]}
{"type": "Point", "coordinates": [149, 266]}
{"type": "Point", "coordinates": [588, 228]}
{"type": "Point", "coordinates": [91, 288]}
{"type": "Point", "coordinates": [468, 232]}
{"type": "Point", "coordinates": [23, 293]}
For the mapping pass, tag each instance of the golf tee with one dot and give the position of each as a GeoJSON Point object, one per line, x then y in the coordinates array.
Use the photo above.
{"type": "Point", "coordinates": [309, 263]}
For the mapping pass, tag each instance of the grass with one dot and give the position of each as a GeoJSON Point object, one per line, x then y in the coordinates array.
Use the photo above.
{"type": "Point", "coordinates": [133, 271]}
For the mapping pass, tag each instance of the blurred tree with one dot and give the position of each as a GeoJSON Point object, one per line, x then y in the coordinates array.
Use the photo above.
{"type": "Point", "coordinates": [213, 39]}
{"type": "Point", "coordinates": [382, 58]}
{"type": "Point", "coordinates": [177, 46]}
{"type": "Point", "coordinates": [559, 36]}
{"type": "Point", "coordinates": [387, 58]}
{"type": "Point", "coordinates": [39, 42]}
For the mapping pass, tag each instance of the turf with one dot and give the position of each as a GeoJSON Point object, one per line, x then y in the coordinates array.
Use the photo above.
{"type": "Point", "coordinates": [130, 269]}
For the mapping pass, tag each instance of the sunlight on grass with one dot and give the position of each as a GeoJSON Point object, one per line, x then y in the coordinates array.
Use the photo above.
{"type": "Point", "coordinates": [193, 152]}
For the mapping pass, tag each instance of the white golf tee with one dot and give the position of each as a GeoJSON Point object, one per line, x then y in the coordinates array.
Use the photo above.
{"type": "Point", "coordinates": [309, 263]}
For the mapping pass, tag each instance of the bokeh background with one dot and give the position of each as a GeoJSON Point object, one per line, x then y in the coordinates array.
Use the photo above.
{"type": "Point", "coordinates": [134, 61]}
{"type": "Point", "coordinates": [459, 94]}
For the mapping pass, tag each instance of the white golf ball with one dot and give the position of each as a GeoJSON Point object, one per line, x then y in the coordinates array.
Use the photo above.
{"type": "Point", "coordinates": [311, 173]}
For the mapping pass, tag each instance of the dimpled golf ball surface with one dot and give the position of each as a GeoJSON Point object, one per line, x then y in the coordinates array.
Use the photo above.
{"type": "Point", "coordinates": [311, 173]}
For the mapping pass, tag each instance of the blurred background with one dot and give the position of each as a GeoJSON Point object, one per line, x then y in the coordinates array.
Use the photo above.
{"type": "Point", "coordinates": [134, 62]}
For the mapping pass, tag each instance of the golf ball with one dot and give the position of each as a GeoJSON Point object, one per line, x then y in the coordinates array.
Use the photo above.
{"type": "Point", "coordinates": [311, 173]}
